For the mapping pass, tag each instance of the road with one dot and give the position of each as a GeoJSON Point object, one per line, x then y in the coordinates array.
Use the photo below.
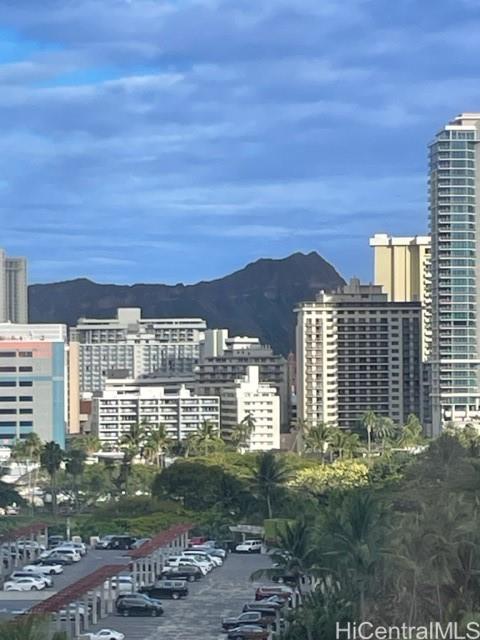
{"type": "Point", "coordinates": [197, 617]}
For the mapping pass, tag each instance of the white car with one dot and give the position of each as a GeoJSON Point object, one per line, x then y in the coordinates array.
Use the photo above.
{"type": "Point", "coordinates": [47, 569]}
{"type": "Point", "coordinates": [203, 555]}
{"type": "Point", "coordinates": [182, 561]}
{"type": "Point", "coordinates": [21, 573]}
{"type": "Point", "coordinates": [249, 546]}
{"type": "Point", "coordinates": [121, 584]}
{"type": "Point", "coordinates": [199, 562]}
{"type": "Point", "coordinates": [105, 634]}
{"type": "Point", "coordinates": [67, 551]}
{"type": "Point", "coordinates": [24, 584]}
{"type": "Point", "coordinates": [79, 547]}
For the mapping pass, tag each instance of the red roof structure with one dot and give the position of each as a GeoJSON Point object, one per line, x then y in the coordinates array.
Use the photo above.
{"type": "Point", "coordinates": [161, 540]}
{"type": "Point", "coordinates": [22, 532]}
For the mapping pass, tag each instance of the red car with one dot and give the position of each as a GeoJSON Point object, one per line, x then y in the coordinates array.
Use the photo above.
{"type": "Point", "coordinates": [285, 593]}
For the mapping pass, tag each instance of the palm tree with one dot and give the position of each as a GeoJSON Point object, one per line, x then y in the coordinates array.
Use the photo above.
{"type": "Point", "coordinates": [354, 534]}
{"type": "Point", "coordinates": [207, 436]}
{"type": "Point", "coordinates": [28, 451]}
{"type": "Point", "coordinates": [269, 474]}
{"type": "Point", "coordinates": [411, 433]}
{"type": "Point", "coordinates": [51, 459]}
{"type": "Point", "coordinates": [293, 557]}
{"type": "Point", "coordinates": [89, 443]}
{"type": "Point", "coordinates": [157, 444]}
{"type": "Point", "coordinates": [134, 439]}
{"type": "Point", "coordinates": [75, 466]}
{"type": "Point", "coordinates": [369, 420]}
{"type": "Point", "coordinates": [318, 438]}
{"type": "Point", "coordinates": [243, 431]}
{"type": "Point", "coordinates": [383, 430]}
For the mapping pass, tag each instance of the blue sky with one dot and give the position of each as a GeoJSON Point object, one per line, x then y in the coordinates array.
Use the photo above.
{"type": "Point", "coordinates": [168, 141]}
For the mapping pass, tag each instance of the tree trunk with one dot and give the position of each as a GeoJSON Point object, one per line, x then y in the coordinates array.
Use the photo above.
{"type": "Point", "coordinates": [269, 505]}
{"type": "Point", "coordinates": [54, 493]}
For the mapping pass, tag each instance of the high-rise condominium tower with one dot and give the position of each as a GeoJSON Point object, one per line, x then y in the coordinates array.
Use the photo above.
{"type": "Point", "coordinates": [13, 289]}
{"type": "Point", "coordinates": [402, 269]}
{"type": "Point", "coordinates": [455, 227]}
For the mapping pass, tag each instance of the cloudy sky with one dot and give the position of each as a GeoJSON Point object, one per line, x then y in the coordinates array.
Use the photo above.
{"type": "Point", "coordinates": [177, 140]}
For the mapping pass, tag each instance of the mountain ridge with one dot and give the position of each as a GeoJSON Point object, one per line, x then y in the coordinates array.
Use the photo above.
{"type": "Point", "coordinates": [256, 300]}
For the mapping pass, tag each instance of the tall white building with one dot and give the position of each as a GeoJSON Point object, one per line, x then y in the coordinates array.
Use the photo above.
{"type": "Point", "coordinates": [32, 382]}
{"type": "Point", "coordinates": [455, 231]}
{"type": "Point", "coordinates": [248, 397]}
{"type": "Point", "coordinates": [126, 403]}
{"type": "Point", "coordinates": [358, 352]}
{"type": "Point", "coordinates": [13, 289]}
{"type": "Point", "coordinates": [134, 346]}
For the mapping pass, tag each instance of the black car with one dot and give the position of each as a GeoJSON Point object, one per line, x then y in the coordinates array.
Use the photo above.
{"type": "Point", "coordinates": [174, 589]}
{"type": "Point", "coordinates": [54, 541]}
{"type": "Point", "coordinates": [59, 558]}
{"type": "Point", "coordinates": [262, 605]}
{"type": "Point", "coordinates": [138, 604]}
{"type": "Point", "coordinates": [190, 574]}
{"type": "Point", "coordinates": [120, 542]}
{"type": "Point", "coordinates": [250, 617]}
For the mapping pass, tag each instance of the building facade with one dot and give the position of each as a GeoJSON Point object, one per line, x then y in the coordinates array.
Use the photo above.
{"type": "Point", "coordinates": [32, 382]}
{"type": "Point", "coordinates": [13, 289]}
{"type": "Point", "coordinates": [356, 352]}
{"type": "Point", "coordinates": [454, 222]}
{"type": "Point", "coordinates": [134, 346]}
{"type": "Point", "coordinates": [126, 403]}
{"type": "Point", "coordinates": [402, 267]}
{"type": "Point", "coordinates": [248, 397]}
{"type": "Point", "coordinates": [225, 359]}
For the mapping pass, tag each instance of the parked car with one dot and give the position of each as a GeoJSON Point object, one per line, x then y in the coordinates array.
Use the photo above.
{"type": "Point", "coordinates": [63, 614]}
{"type": "Point", "coordinates": [138, 543]}
{"type": "Point", "coordinates": [22, 573]}
{"type": "Point", "coordinates": [64, 551]}
{"type": "Point", "coordinates": [79, 547]}
{"type": "Point", "coordinates": [55, 541]}
{"type": "Point", "coordinates": [104, 634]}
{"type": "Point", "coordinates": [249, 546]}
{"type": "Point", "coordinates": [138, 604]}
{"type": "Point", "coordinates": [203, 555]}
{"type": "Point", "coordinates": [182, 561]}
{"type": "Point", "coordinates": [173, 589]}
{"type": "Point", "coordinates": [262, 606]}
{"type": "Point", "coordinates": [250, 617]}
{"type": "Point", "coordinates": [212, 551]}
{"type": "Point", "coordinates": [190, 573]}
{"type": "Point", "coordinates": [122, 584]}
{"type": "Point", "coordinates": [248, 632]}
{"type": "Point", "coordinates": [48, 570]}
{"type": "Point", "coordinates": [55, 558]}
{"type": "Point", "coordinates": [197, 540]}
{"type": "Point", "coordinates": [123, 542]}
{"type": "Point", "coordinates": [30, 583]}
{"type": "Point", "coordinates": [267, 591]}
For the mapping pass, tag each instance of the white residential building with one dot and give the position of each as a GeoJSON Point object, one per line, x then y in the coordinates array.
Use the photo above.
{"type": "Point", "coordinates": [248, 396]}
{"type": "Point", "coordinates": [134, 346]}
{"type": "Point", "coordinates": [13, 289]}
{"type": "Point", "coordinates": [124, 403]}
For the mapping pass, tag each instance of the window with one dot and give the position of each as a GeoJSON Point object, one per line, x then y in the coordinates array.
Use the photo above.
{"type": "Point", "coordinates": [8, 383]}
{"type": "Point", "coordinates": [26, 398]}
{"type": "Point", "coordinates": [7, 354]}
{"type": "Point", "coordinates": [8, 399]}
{"type": "Point", "coordinates": [25, 369]}
{"type": "Point", "coordinates": [26, 383]}
{"type": "Point", "coordinates": [5, 412]}
{"type": "Point", "coordinates": [8, 369]}
{"type": "Point", "coordinates": [26, 423]}
{"type": "Point", "coordinates": [22, 411]}
{"type": "Point", "coordinates": [7, 423]}
{"type": "Point", "coordinates": [25, 354]}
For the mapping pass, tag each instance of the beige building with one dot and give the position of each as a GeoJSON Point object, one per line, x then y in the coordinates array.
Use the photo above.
{"type": "Point", "coordinates": [356, 351]}
{"type": "Point", "coordinates": [402, 267]}
{"type": "Point", "coordinates": [247, 396]}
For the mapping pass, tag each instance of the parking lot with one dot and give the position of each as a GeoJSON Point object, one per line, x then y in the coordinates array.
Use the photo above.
{"type": "Point", "coordinates": [197, 617]}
